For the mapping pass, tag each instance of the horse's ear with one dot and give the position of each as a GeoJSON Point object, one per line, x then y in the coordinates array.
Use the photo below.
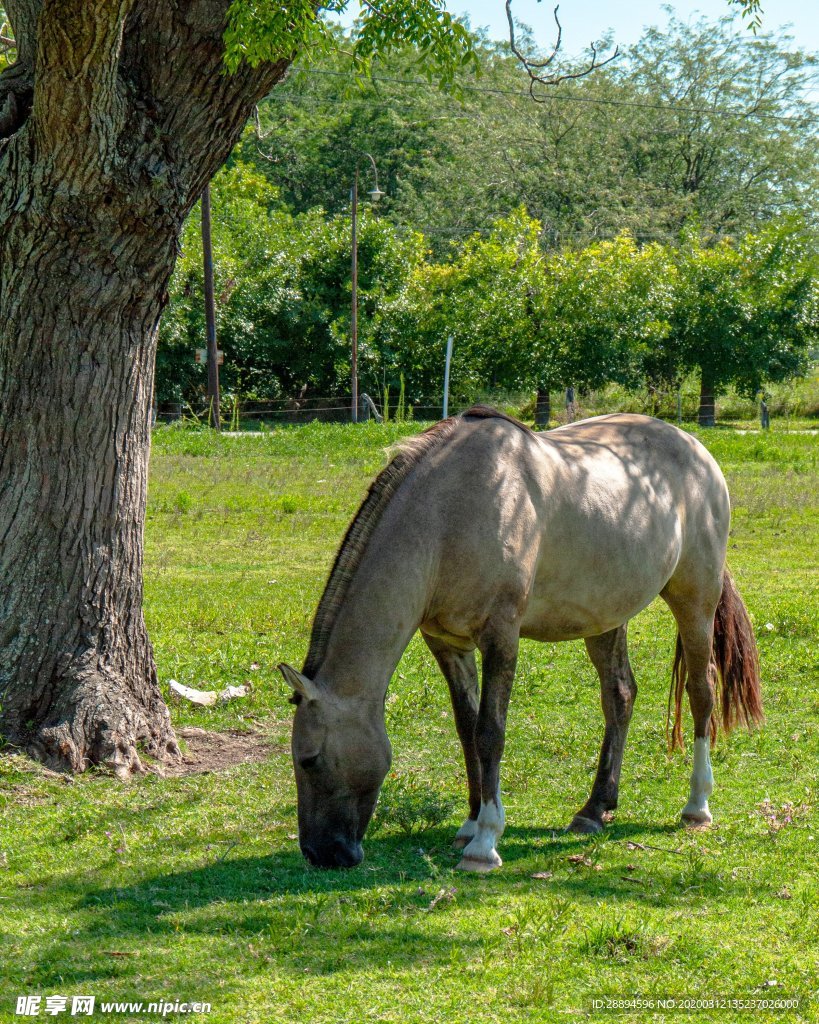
{"type": "Point", "coordinates": [302, 686]}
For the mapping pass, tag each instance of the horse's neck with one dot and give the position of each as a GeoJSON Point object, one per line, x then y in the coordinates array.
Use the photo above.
{"type": "Point", "coordinates": [377, 619]}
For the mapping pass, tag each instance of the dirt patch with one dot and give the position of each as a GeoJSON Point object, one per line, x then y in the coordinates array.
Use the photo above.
{"type": "Point", "coordinates": [203, 752]}
{"type": "Point", "coordinates": [215, 751]}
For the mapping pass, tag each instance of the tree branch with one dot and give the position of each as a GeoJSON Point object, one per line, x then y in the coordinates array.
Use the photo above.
{"type": "Point", "coordinates": [23, 15]}
{"type": "Point", "coordinates": [131, 91]}
{"type": "Point", "coordinates": [78, 106]}
{"type": "Point", "coordinates": [173, 60]}
{"type": "Point", "coordinates": [16, 90]}
{"type": "Point", "coordinates": [536, 69]}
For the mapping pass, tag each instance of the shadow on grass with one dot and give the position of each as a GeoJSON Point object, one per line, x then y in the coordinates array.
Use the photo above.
{"type": "Point", "coordinates": [308, 920]}
{"type": "Point", "coordinates": [394, 862]}
{"type": "Point", "coordinates": [659, 865]}
{"type": "Point", "coordinates": [293, 919]}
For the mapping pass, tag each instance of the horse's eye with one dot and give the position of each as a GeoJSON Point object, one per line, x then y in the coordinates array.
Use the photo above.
{"type": "Point", "coordinates": [308, 762]}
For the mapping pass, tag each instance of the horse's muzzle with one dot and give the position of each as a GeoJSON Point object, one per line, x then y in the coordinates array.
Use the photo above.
{"type": "Point", "coordinates": [336, 854]}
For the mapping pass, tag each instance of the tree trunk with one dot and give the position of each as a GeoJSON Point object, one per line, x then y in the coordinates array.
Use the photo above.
{"type": "Point", "coordinates": [543, 408]}
{"type": "Point", "coordinates": [705, 416]}
{"type": "Point", "coordinates": [76, 379]}
{"type": "Point", "coordinates": [105, 151]}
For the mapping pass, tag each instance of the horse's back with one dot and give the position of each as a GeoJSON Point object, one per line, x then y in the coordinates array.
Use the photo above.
{"type": "Point", "coordinates": [578, 528]}
{"type": "Point", "coordinates": [644, 471]}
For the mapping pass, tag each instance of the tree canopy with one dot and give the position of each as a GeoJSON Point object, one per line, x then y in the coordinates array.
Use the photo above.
{"type": "Point", "coordinates": [283, 296]}
{"type": "Point", "coordinates": [571, 240]}
{"type": "Point", "coordinates": [522, 317]}
{"type": "Point", "coordinates": [696, 122]}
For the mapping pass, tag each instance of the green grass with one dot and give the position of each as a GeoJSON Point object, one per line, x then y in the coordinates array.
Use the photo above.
{"type": "Point", "coordinates": [193, 887]}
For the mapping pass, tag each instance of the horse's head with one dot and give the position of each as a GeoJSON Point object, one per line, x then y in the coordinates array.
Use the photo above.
{"type": "Point", "coordinates": [341, 755]}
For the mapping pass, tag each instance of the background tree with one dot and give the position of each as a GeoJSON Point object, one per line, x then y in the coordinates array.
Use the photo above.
{"type": "Point", "coordinates": [696, 122]}
{"type": "Point", "coordinates": [732, 136]}
{"type": "Point", "coordinates": [608, 311]}
{"type": "Point", "coordinates": [113, 117]}
{"type": "Point", "coordinates": [490, 299]}
{"type": "Point", "coordinates": [522, 317]}
{"type": "Point", "coordinates": [283, 297]}
{"type": "Point", "coordinates": [744, 315]}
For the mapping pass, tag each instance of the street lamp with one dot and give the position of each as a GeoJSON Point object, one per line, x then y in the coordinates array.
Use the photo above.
{"type": "Point", "coordinates": [374, 195]}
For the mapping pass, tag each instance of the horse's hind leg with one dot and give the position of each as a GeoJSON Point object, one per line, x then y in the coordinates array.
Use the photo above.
{"type": "Point", "coordinates": [695, 622]}
{"type": "Point", "coordinates": [609, 655]}
{"type": "Point", "coordinates": [461, 674]}
{"type": "Point", "coordinates": [499, 658]}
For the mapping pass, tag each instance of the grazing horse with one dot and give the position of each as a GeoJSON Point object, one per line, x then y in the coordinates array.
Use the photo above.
{"type": "Point", "coordinates": [480, 532]}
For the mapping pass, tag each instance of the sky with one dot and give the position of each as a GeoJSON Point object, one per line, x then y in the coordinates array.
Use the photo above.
{"type": "Point", "coordinates": [585, 20]}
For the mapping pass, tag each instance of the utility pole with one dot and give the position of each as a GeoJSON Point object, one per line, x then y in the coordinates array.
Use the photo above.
{"type": "Point", "coordinates": [210, 314]}
{"type": "Point", "coordinates": [375, 194]}
{"type": "Point", "coordinates": [354, 312]}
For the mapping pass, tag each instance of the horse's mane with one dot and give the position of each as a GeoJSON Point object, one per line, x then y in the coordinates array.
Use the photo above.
{"type": "Point", "coordinates": [410, 453]}
{"type": "Point", "coordinates": [489, 412]}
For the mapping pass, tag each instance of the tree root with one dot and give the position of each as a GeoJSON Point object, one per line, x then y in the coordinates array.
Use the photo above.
{"type": "Point", "coordinates": [104, 723]}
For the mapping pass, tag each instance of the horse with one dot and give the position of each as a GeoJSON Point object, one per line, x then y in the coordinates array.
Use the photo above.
{"type": "Point", "coordinates": [479, 532]}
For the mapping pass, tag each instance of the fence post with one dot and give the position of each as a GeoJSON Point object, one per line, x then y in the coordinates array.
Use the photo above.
{"type": "Point", "coordinates": [370, 408]}
{"type": "Point", "coordinates": [764, 415]}
{"type": "Point", "coordinates": [447, 364]}
{"type": "Point", "coordinates": [570, 405]}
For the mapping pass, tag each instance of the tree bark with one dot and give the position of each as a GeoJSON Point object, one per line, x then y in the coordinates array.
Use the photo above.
{"type": "Point", "coordinates": [100, 163]}
{"type": "Point", "coordinates": [706, 414]}
{"type": "Point", "coordinates": [543, 408]}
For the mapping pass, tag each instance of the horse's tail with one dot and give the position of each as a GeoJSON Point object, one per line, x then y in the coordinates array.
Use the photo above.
{"type": "Point", "coordinates": [735, 669]}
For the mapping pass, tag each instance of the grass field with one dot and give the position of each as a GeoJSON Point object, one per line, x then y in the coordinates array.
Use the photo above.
{"type": "Point", "coordinates": [192, 887]}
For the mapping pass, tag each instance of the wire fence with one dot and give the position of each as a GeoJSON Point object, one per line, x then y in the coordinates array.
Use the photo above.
{"type": "Point", "coordinates": [253, 413]}
{"type": "Point", "coordinates": [238, 413]}
{"type": "Point", "coordinates": [795, 400]}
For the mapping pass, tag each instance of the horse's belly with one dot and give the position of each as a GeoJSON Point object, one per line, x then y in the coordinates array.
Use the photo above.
{"type": "Point", "coordinates": [599, 588]}
{"type": "Point", "coordinates": [567, 619]}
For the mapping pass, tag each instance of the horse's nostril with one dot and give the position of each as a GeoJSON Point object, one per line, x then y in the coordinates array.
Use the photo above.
{"type": "Point", "coordinates": [335, 854]}
{"type": "Point", "coordinates": [348, 856]}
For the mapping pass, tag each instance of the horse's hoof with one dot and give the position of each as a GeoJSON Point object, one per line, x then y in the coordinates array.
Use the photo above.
{"type": "Point", "coordinates": [584, 826]}
{"type": "Point", "coordinates": [696, 819]}
{"type": "Point", "coordinates": [480, 867]}
{"type": "Point", "coordinates": [696, 813]}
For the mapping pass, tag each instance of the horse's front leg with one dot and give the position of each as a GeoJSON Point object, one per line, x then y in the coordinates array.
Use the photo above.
{"type": "Point", "coordinates": [609, 655]}
{"type": "Point", "coordinates": [461, 674]}
{"type": "Point", "coordinates": [499, 661]}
